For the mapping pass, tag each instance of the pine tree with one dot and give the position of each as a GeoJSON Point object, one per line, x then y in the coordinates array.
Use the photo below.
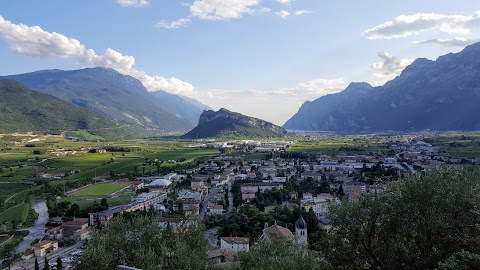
{"type": "Point", "coordinates": [59, 263]}
{"type": "Point", "coordinates": [37, 267]}
{"type": "Point", "coordinates": [46, 266]}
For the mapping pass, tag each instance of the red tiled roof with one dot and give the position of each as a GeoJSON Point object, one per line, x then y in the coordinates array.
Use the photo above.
{"type": "Point", "coordinates": [227, 253]}
{"type": "Point", "coordinates": [278, 231]}
{"type": "Point", "coordinates": [43, 243]}
{"type": "Point", "coordinates": [170, 219]}
{"type": "Point", "coordinates": [236, 240]}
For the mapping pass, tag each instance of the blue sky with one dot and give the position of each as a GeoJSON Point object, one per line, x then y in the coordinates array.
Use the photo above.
{"type": "Point", "coordinates": [263, 58]}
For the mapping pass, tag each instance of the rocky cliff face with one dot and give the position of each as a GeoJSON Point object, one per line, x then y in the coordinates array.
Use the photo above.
{"type": "Point", "coordinates": [428, 95]}
{"type": "Point", "coordinates": [227, 123]}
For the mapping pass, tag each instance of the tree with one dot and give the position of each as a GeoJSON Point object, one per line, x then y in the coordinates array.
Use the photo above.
{"type": "Point", "coordinates": [59, 263]}
{"type": "Point", "coordinates": [98, 223]}
{"type": "Point", "coordinates": [104, 203]}
{"type": "Point", "coordinates": [277, 255]}
{"type": "Point", "coordinates": [46, 266]}
{"type": "Point", "coordinates": [74, 211]}
{"type": "Point", "coordinates": [139, 242]}
{"type": "Point", "coordinates": [420, 222]}
{"type": "Point", "coordinates": [37, 267]}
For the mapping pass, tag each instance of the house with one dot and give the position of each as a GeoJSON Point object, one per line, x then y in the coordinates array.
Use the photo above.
{"type": "Point", "coordinates": [222, 256]}
{"type": "Point", "coordinates": [278, 179]}
{"type": "Point", "coordinates": [307, 196]}
{"type": "Point", "coordinates": [44, 247]}
{"type": "Point", "coordinates": [28, 254]}
{"type": "Point", "coordinates": [215, 210]}
{"type": "Point", "coordinates": [75, 229]}
{"type": "Point", "coordinates": [197, 183]}
{"type": "Point", "coordinates": [325, 224]}
{"type": "Point", "coordinates": [248, 195]}
{"type": "Point", "coordinates": [137, 185]}
{"type": "Point", "coordinates": [172, 222]}
{"type": "Point", "coordinates": [54, 233]}
{"type": "Point", "coordinates": [237, 244]}
{"type": "Point", "coordinates": [192, 206]}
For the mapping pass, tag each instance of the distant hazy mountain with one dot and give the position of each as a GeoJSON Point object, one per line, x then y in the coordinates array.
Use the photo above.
{"type": "Point", "coordinates": [24, 110]}
{"type": "Point", "coordinates": [116, 96]}
{"type": "Point", "coordinates": [225, 123]}
{"type": "Point", "coordinates": [185, 107]}
{"type": "Point", "coordinates": [436, 95]}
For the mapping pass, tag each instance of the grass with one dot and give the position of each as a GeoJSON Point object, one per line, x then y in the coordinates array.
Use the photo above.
{"type": "Point", "coordinates": [102, 189]}
{"type": "Point", "coordinates": [15, 213]}
{"type": "Point", "coordinates": [84, 203]}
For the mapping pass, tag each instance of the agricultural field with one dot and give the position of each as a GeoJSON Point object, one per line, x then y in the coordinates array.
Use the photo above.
{"type": "Point", "coordinates": [457, 145]}
{"type": "Point", "coordinates": [101, 189]}
{"type": "Point", "coordinates": [340, 144]}
{"type": "Point", "coordinates": [15, 213]}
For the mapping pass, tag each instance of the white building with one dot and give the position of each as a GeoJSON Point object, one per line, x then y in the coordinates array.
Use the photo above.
{"type": "Point", "coordinates": [237, 244]}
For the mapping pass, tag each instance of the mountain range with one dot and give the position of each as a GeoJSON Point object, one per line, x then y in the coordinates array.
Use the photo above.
{"type": "Point", "coordinates": [24, 110]}
{"type": "Point", "coordinates": [436, 95]}
{"type": "Point", "coordinates": [117, 96]}
{"type": "Point", "coordinates": [225, 123]}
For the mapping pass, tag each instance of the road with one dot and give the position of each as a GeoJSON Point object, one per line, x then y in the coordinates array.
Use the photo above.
{"type": "Point", "coordinates": [52, 257]}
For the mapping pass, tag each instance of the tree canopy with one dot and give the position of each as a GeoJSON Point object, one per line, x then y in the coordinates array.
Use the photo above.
{"type": "Point", "coordinates": [417, 224]}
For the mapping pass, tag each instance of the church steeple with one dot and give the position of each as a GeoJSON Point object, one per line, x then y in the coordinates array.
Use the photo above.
{"type": "Point", "coordinates": [301, 232]}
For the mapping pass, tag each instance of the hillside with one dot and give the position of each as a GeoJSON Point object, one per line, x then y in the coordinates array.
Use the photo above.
{"type": "Point", "coordinates": [225, 123]}
{"type": "Point", "coordinates": [23, 110]}
{"type": "Point", "coordinates": [185, 107]}
{"type": "Point", "coordinates": [436, 95]}
{"type": "Point", "coordinates": [111, 94]}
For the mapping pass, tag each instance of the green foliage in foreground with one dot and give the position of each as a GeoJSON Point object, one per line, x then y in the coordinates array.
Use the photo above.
{"type": "Point", "coordinates": [139, 242]}
{"type": "Point", "coordinates": [422, 223]}
{"type": "Point", "coordinates": [277, 255]}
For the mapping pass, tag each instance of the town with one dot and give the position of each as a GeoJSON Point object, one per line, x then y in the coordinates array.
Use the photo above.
{"type": "Point", "coordinates": [279, 192]}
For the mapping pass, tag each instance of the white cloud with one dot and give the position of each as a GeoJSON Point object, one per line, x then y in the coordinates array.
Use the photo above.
{"type": "Point", "coordinates": [34, 41]}
{"type": "Point", "coordinates": [286, 2]}
{"type": "Point", "coordinates": [288, 100]}
{"type": "Point", "coordinates": [302, 12]}
{"type": "Point", "coordinates": [283, 14]}
{"type": "Point", "coordinates": [455, 42]}
{"type": "Point", "coordinates": [388, 68]}
{"type": "Point", "coordinates": [407, 25]}
{"type": "Point", "coordinates": [173, 24]}
{"type": "Point", "coordinates": [222, 9]}
{"type": "Point", "coordinates": [133, 3]}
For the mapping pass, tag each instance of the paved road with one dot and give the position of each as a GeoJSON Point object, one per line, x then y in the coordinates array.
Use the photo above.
{"type": "Point", "coordinates": [52, 257]}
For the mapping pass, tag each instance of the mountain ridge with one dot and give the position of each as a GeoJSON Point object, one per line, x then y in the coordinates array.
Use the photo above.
{"type": "Point", "coordinates": [438, 95]}
{"type": "Point", "coordinates": [110, 93]}
{"type": "Point", "coordinates": [24, 110]}
{"type": "Point", "coordinates": [225, 123]}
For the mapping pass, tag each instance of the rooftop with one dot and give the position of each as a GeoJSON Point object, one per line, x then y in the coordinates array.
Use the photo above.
{"type": "Point", "coordinates": [236, 240]}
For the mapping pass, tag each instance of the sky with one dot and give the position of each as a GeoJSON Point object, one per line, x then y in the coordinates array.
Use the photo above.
{"type": "Point", "coordinates": [262, 58]}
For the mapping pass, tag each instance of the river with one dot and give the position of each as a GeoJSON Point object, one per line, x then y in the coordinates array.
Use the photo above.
{"type": "Point", "coordinates": [37, 231]}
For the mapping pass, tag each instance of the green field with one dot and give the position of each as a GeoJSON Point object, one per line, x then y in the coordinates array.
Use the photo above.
{"type": "Point", "coordinates": [84, 203]}
{"type": "Point", "coordinates": [102, 189]}
{"type": "Point", "coordinates": [15, 213]}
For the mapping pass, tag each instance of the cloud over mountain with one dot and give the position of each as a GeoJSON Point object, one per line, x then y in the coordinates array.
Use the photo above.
{"type": "Point", "coordinates": [455, 42]}
{"type": "Point", "coordinates": [388, 68]}
{"type": "Point", "coordinates": [34, 41]}
{"type": "Point", "coordinates": [407, 25]}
